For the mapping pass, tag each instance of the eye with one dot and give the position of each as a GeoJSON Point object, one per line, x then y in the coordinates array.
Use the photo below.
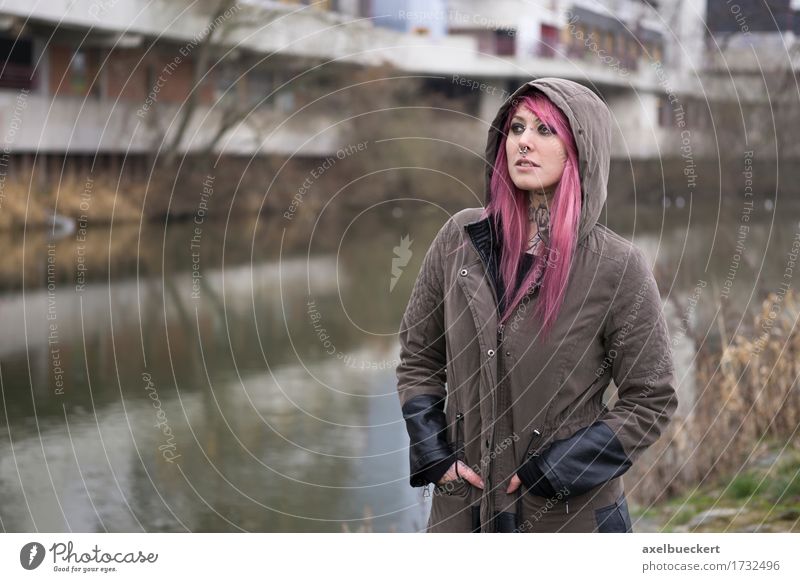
{"type": "Point", "coordinates": [517, 128]}
{"type": "Point", "coordinates": [548, 131]}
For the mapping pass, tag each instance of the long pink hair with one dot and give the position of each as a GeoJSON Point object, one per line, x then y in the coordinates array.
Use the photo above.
{"type": "Point", "coordinates": [508, 207]}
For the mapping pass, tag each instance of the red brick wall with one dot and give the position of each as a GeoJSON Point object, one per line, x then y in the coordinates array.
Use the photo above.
{"type": "Point", "coordinates": [126, 77]}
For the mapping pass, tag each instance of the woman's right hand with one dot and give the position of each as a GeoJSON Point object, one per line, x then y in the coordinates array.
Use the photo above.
{"type": "Point", "coordinates": [459, 469]}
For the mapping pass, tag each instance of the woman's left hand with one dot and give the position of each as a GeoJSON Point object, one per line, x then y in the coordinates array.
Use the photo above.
{"type": "Point", "coordinates": [514, 484]}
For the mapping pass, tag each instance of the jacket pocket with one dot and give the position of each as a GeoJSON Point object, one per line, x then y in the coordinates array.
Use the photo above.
{"type": "Point", "coordinates": [458, 487]}
{"type": "Point", "coordinates": [614, 518]}
{"type": "Point", "coordinates": [532, 450]}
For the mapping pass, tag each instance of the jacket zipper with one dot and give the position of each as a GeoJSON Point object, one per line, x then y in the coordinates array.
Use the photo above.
{"type": "Point", "coordinates": [460, 452]}
{"type": "Point", "coordinates": [487, 481]}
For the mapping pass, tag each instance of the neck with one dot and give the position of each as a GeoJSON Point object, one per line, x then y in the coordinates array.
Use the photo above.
{"type": "Point", "coordinates": [539, 217]}
{"type": "Point", "coordinates": [541, 193]}
{"type": "Point", "coordinates": [538, 199]}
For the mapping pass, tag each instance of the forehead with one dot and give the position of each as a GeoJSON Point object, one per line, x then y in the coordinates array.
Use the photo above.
{"type": "Point", "coordinates": [525, 114]}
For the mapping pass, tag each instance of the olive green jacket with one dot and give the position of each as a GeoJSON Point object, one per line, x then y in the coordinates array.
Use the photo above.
{"type": "Point", "coordinates": [503, 400]}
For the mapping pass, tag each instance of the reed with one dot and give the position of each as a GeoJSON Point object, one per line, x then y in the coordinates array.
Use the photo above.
{"type": "Point", "coordinates": [747, 404]}
{"type": "Point", "coordinates": [99, 200]}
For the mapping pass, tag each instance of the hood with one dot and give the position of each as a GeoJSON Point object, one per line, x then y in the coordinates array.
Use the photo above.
{"type": "Point", "coordinates": [590, 120]}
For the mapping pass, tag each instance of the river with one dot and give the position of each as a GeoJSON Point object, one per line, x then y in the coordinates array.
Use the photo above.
{"type": "Point", "coordinates": [240, 377]}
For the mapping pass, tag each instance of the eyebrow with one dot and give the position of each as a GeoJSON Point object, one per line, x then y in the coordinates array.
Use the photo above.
{"type": "Point", "coordinates": [518, 116]}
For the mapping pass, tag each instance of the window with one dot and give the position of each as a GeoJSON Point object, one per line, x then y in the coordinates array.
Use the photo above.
{"type": "Point", "coordinates": [656, 53]}
{"type": "Point", "coordinates": [664, 112]}
{"type": "Point", "coordinates": [17, 71]}
{"type": "Point", "coordinates": [149, 78]}
{"type": "Point", "coordinates": [225, 76]}
{"type": "Point", "coordinates": [284, 100]}
{"type": "Point", "coordinates": [260, 83]}
{"type": "Point", "coordinates": [81, 79]}
{"type": "Point", "coordinates": [549, 41]}
{"type": "Point", "coordinates": [79, 72]}
{"type": "Point", "coordinates": [504, 42]}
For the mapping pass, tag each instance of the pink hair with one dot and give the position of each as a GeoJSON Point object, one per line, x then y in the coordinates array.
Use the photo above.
{"type": "Point", "coordinates": [508, 207]}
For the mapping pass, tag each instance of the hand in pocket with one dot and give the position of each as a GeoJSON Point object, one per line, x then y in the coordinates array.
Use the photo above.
{"type": "Point", "coordinates": [459, 469]}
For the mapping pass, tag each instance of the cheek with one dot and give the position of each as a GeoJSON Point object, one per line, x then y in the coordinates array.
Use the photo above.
{"type": "Point", "coordinates": [558, 155]}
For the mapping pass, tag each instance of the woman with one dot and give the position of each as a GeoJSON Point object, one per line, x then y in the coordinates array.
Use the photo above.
{"type": "Point", "coordinates": [521, 315]}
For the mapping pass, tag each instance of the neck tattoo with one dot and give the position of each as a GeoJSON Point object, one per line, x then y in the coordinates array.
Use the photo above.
{"type": "Point", "coordinates": [539, 215]}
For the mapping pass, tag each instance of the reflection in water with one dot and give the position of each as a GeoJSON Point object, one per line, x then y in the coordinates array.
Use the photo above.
{"type": "Point", "coordinates": [256, 392]}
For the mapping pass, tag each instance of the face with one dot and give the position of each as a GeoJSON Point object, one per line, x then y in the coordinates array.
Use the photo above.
{"type": "Point", "coordinates": [545, 151]}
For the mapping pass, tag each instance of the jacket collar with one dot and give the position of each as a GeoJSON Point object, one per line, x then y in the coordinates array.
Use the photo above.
{"type": "Point", "coordinates": [487, 241]}
{"type": "Point", "coordinates": [483, 236]}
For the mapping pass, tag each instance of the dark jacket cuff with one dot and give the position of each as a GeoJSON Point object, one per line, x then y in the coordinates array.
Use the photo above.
{"type": "Point", "coordinates": [534, 479]}
{"type": "Point", "coordinates": [435, 471]}
{"type": "Point", "coordinates": [588, 458]}
{"type": "Point", "coordinates": [427, 429]}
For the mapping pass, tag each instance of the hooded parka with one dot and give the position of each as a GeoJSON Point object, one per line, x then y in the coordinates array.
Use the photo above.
{"type": "Point", "coordinates": [503, 400]}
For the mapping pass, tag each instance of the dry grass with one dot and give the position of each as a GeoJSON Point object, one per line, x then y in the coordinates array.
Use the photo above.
{"type": "Point", "coordinates": [100, 199]}
{"type": "Point", "coordinates": [747, 398]}
{"type": "Point", "coordinates": [16, 209]}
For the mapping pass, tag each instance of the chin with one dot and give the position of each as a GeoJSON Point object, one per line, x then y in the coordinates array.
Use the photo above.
{"type": "Point", "coordinates": [528, 185]}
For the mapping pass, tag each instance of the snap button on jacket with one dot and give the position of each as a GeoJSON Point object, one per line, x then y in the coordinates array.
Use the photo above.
{"type": "Point", "coordinates": [500, 397]}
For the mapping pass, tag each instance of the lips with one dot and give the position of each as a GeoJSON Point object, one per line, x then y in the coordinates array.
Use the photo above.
{"type": "Point", "coordinates": [525, 163]}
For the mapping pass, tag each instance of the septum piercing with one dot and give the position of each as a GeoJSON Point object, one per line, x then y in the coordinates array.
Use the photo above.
{"type": "Point", "coordinates": [523, 150]}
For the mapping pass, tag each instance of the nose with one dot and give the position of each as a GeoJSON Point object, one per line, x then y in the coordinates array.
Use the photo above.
{"type": "Point", "coordinates": [526, 139]}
